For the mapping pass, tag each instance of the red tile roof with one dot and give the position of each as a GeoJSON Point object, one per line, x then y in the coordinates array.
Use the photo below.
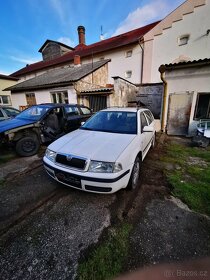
{"type": "Point", "coordinates": [101, 46]}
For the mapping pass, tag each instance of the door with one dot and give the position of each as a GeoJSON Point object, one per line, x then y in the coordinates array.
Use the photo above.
{"type": "Point", "coordinates": [97, 102]}
{"type": "Point", "coordinates": [145, 136]}
{"type": "Point", "coordinates": [179, 109]}
{"type": "Point", "coordinates": [30, 99]}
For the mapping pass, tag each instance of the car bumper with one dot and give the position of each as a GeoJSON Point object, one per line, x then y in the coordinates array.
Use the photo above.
{"type": "Point", "coordinates": [99, 183]}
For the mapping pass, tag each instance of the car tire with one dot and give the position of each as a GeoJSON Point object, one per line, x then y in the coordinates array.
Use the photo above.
{"type": "Point", "coordinates": [135, 174]}
{"type": "Point", "coordinates": [27, 146]}
{"type": "Point", "coordinates": [153, 140]}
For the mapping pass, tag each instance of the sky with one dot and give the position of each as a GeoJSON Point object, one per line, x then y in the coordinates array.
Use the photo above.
{"type": "Point", "coordinates": [25, 25]}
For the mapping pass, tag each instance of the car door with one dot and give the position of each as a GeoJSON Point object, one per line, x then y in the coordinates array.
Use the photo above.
{"type": "Point", "coordinates": [73, 118]}
{"type": "Point", "coordinates": [145, 136]}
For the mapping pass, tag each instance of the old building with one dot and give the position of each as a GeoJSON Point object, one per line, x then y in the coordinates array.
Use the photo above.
{"type": "Point", "coordinates": [183, 35]}
{"type": "Point", "coordinates": [83, 84]}
{"type": "Point", "coordinates": [123, 50]}
{"type": "Point", "coordinates": [5, 82]}
{"type": "Point", "coordinates": [186, 96]}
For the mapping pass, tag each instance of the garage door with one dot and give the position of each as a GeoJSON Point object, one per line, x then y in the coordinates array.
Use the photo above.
{"type": "Point", "coordinates": [97, 102]}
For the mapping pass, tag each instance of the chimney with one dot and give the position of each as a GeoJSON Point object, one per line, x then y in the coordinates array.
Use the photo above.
{"type": "Point", "coordinates": [81, 34]}
{"type": "Point", "coordinates": [77, 60]}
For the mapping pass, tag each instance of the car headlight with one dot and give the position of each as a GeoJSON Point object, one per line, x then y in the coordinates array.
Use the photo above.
{"type": "Point", "coordinates": [50, 155]}
{"type": "Point", "coordinates": [104, 167]}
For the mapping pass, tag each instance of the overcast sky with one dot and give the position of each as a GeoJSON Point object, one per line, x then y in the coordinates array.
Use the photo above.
{"type": "Point", "coordinates": [26, 24]}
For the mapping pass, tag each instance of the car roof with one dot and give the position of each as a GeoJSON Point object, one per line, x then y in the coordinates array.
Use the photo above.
{"type": "Point", "coordinates": [125, 109]}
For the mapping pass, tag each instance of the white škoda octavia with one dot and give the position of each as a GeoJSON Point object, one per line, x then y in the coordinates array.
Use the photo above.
{"type": "Point", "coordinates": [105, 154]}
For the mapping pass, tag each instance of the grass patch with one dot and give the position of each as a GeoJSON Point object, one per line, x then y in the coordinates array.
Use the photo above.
{"type": "Point", "coordinates": [106, 261]}
{"type": "Point", "coordinates": [190, 177]}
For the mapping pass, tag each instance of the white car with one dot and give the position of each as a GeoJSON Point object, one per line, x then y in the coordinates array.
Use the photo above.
{"type": "Point", "coordinates": [104, 155]}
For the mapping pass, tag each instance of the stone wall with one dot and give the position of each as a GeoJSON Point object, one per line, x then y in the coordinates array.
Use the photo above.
{"type": "Point", "coordinates": [124, 92]}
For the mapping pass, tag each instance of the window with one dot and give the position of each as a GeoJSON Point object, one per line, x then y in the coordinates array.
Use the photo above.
{"type": "Point", "coordinates": [1, 114]}
{"type": "Point", "coordinates": [149, 116]}
{"type": "Point", "coordinates": [5, 99]}
{"type": "Point", "coordinates": [73, 110]}
{"type": "Point", "coordinates": [85, 111]}
{"type": "Point", "coordinates": [143, 121]}
{"type": "Point", "coordinates": [60, 97]}
{"type": "Point", "coordinates": [183, 40]}
{"type": "Point", "coordinates": [128, 74]}
{"type": "Point", "coordinates": [128, 53]}
{"type": "Point", "coordinates": [202, 110]}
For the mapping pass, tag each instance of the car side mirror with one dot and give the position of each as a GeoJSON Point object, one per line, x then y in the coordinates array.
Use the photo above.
{"type": "Point", "coordinates": [148, 128]}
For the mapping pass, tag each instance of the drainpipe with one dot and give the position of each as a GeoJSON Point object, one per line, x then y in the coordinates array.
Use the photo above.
{"type": "Point", "coordinates": [162, 69]}
{"type": "Point", "coordinates": [141, 41]}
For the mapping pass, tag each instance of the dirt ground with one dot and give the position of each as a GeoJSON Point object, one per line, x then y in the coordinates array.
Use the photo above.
{"type": "Point", "coordinates": [165, 229]}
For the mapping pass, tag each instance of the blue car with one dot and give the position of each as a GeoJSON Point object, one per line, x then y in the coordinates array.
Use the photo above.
{"type": "Point", "coordinates": [40, 124]}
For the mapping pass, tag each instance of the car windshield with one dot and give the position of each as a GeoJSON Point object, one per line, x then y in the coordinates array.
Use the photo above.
{"type": "Point", "coordinates": [34, 113]}
{"type": "Point", "coordinates": [113, 121]}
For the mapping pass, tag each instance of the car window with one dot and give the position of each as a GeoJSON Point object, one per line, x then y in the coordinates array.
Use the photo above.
{"type": "Point", "coordinates": [85, 110]}
{"type": "Point", "coordinates": [11, 112]}
{"type": "Point", "coordinates": [113, 121]}
{"type": "Point", "coordinates": [149, 116]}
{"type": "Point", "coordinates": [34, 113]}
{"type": "Point", "coordinates": [1, 114]}
{"type": "Point", "coordinates": [71, 110]}
{"type": "Point", "coordinates": [143, 121]}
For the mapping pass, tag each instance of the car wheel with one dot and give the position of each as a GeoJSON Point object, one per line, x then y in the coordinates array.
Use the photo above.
{"type": "Point", "coordinates": [27, 146]}
{"type": "Point", "coordinates": [135, 174]}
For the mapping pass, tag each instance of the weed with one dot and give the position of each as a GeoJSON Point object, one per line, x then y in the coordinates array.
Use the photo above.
{"type": "Point", "coordinates": [106, 261]}
{"type": "Point", "coordinates": [191, 182]}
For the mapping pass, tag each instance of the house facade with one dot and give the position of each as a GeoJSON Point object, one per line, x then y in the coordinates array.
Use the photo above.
{"type": "Point", "coordinates": [124, 51]}
{"type": "Point", "coordinates": [183, 35]}
{"type": "Point", "coordinates": [186, 96]}
{"type": "Point", "coordinates": [85, 84]}
{"type": "Point", "coordinates": [5, 82]}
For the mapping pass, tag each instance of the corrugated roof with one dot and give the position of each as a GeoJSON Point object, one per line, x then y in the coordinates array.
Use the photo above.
{"type": "Point", "coordinates": [101, 46]}
{"type": "Point", "coordinates": [59, 76]}
{"type": "Point", "coordinates": [182, 64]}
{"type": "Point", "coordinates": [96, 90]}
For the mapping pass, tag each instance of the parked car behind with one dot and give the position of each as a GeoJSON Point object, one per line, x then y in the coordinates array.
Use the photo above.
{"type": "Point", "coordinates": [41, 124]}
{"type": "Point", "coordinates": [7, 112]}
{"type": "Point", "coordinates": [104, 154]}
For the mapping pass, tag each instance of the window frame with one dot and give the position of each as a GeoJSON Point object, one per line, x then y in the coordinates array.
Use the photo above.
{"type": "Point", "coordinates": [180, 38]}
{"type": "Point", "coordinates": [128, 53]}
{"type": "Point", "coordinates": [8, 98]}
{"type": "Point", "coordinates": [197, 103]}
{"type": "Point", "coordinates": [126, 74]}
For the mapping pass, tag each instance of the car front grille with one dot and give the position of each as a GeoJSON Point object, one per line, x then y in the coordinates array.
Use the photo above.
{"type": "Point", "coordinates": [71, 161]}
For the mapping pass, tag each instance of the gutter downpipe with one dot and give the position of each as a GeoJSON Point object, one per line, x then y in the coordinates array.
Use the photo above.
{"type": "Point", "coordinates": [162, 69]}
{"type": "Point", "coordinates": [141, 41]}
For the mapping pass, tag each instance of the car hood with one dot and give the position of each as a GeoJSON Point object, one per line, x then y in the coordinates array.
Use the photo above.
{"type": "Point", "coordinates": [95, 145]}
{"type": "Point", "coordinates": [14, 123]}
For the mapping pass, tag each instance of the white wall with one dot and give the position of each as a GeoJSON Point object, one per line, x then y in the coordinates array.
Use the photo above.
{"type": "Point", "coordinates": [195, 80]}
{"type": "Point", "coordinates": [119, 63]}
{"type": "Point", "coordinates": [43, 96]}
{"type": "Point", "coordinates": [166, 48]}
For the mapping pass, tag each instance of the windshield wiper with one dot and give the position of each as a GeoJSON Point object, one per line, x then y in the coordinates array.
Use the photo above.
{"type": "Point", "coordinates": [85, 128]}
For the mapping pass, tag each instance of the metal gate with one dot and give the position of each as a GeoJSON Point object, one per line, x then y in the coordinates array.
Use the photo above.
{"type": "Point", "coordinates": [179, 109]}
{"type": "Point", "coordinates": [97, 102]}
